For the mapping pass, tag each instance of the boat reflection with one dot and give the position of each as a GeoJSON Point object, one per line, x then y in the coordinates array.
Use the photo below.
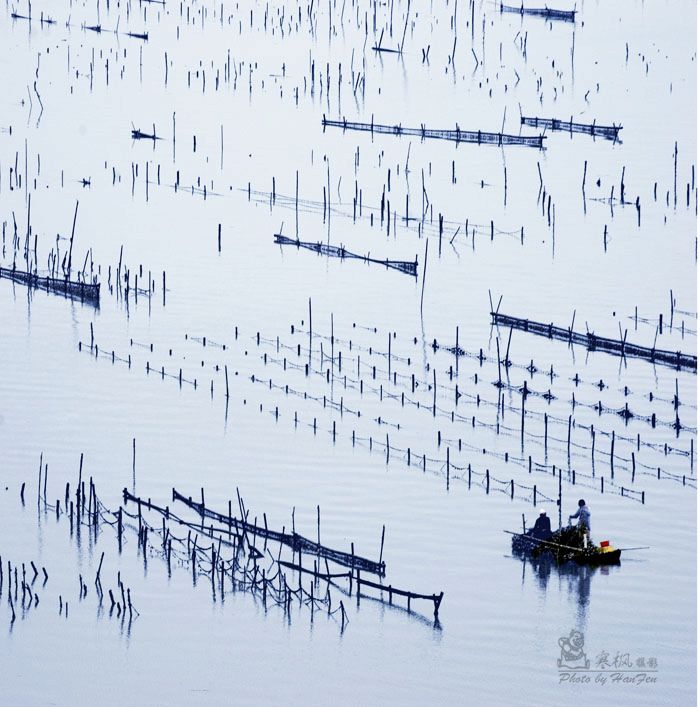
{"type": "Point", "coordinates": [570, 576]}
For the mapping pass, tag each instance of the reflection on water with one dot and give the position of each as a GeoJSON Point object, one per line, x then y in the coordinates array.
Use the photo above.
{"type": "Point", "coordinates": [573, 578]}
{"type": "Point", "coordinates": [238, 92]}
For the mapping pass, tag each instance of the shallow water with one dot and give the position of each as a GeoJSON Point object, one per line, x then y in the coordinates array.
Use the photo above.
{"type": "Point", "coordinates": [501, 618]}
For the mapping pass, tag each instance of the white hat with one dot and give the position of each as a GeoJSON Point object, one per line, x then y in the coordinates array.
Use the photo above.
{"type": "Point", "coordinates": [542, 511]}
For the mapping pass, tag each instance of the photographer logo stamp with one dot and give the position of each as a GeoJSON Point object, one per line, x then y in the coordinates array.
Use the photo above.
{"type": "Point", "coordinates": [620, 667]}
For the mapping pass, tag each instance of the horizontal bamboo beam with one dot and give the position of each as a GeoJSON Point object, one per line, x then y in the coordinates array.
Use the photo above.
{"type": "Point", "coordinates": [294, 540]}
{"type": "Point", "coordinates": [477, 137]}
{"type": "Point", "coordinates": [609, 132]}
{"type": "Point", "coordinates": [593, 342]}
{"type": "Point", "coordinates": [70, 288]}
{"type": "Point", "coordinates": [405, 266]}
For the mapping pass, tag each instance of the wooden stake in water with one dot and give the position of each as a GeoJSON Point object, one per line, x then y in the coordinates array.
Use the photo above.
{"type": "Point", "coordinates": [559, 498]}
{"type": "Point", "coordinates": [425, 268]}
{"type": "Point", "coordinates": [310, 331]}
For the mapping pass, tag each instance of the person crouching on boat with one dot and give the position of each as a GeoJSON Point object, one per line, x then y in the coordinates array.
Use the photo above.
{"type": "Point", "coordinates": [584, 521]}
{"type": "Point", "coordinates": [543, 527]}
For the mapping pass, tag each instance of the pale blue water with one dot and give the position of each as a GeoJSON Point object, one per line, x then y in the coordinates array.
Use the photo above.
{"type": "Point", "coordinates": [501, 619]}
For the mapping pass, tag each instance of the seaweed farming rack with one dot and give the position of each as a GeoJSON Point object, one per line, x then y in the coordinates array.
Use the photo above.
{"type": "Point", "coordinates": [546, 12]}
{"type": "Point", "coordinates": [592, 342]}
{"type": "Point", "coordinates": [405, 266]}
{"type": "Point", "coordinates": [79, 289]}
{"type": "Point", "coordinates": [476, 137]}
{"type": "Point", "coordinates": [298, 543]}
{"type": "Point", "coordinates": [609, 132]}
{"type": "Point", "coordinates": [240, 533]}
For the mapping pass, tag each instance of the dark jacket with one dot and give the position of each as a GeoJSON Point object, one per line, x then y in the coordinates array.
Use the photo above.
{"type": "Point", "coordinates": [543, 528]}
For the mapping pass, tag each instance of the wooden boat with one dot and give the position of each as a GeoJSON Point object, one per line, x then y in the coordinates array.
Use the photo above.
{"type": "Point", "coordinates": [565, 546]}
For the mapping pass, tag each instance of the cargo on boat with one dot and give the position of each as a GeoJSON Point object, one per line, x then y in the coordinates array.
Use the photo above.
{"type": "Point", "coordinates": [565, 545]}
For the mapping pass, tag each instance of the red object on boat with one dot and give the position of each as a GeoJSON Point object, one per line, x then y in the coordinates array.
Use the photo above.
{"type": "Point", "coordinates": [605, 543]}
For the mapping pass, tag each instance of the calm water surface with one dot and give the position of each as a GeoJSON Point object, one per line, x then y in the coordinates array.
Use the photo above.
{"type": "Point", "coordinates": [236, 93]}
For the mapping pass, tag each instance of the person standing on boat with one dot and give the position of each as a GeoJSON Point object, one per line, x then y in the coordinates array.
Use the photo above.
{"type": "Point", "coordinates": [584, 521]}
{"type": "Point", "coordinates": [543, 527]}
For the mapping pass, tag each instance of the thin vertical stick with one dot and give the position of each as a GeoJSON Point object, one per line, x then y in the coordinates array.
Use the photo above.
{"type": "Point", "coordinates": [310, 330]}
{"type": "Point", "coordinates": [425, 268]}
{"type": "Point", "coordinates": [72, 234]}
{"type": "Point", "coordinates": [559, 498]}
